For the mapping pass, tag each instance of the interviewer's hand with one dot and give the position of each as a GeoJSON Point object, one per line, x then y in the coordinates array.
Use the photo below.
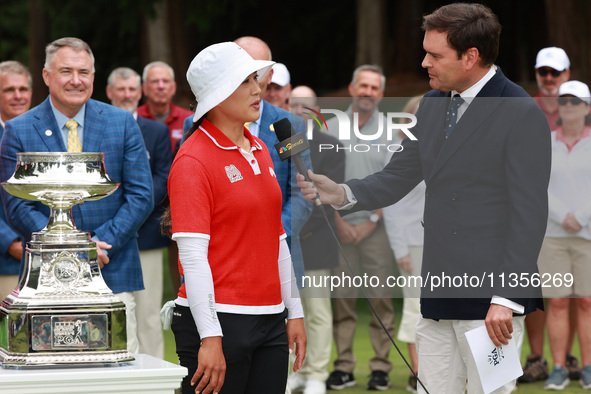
{"type": "Point", "coordinates": [329, 191]}
{"type": "Point", "coordinates": [103, 259]}
{"type": "Point", "coordinates": [212, 366]}
{"type": "Point", "coordinates": [296, 333]}
{"type": "Point", "coordinates": [499, 324]}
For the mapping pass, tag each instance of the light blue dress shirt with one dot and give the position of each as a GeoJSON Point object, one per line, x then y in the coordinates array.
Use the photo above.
{"type": "Point", "coordinates": [62, 119]}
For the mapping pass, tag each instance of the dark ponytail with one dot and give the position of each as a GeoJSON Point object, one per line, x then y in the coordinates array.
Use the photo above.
{"type": "Point", "coordinates": [166, 218]}
{"type": "Point", "coordinates": [193, 128]}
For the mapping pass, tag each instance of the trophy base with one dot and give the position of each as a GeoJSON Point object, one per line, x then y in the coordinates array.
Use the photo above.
{"type": "Point", "coordinates": [17, 360]}
{"type": "Point", "coordinates": [62, 312]}
{"type": "Point", "coordinates": [51, 335]}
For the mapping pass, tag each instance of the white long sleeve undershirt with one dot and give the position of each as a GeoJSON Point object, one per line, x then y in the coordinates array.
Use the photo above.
{"type": "Point", "coordinates": [193, 254]}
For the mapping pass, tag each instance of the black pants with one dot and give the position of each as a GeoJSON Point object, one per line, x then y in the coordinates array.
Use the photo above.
{"type": "Point", "coordinates": [255, 348]}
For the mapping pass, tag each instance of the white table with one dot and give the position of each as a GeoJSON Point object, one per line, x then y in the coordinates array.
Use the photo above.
{"type": "Point", "coordinates": [146, 374]}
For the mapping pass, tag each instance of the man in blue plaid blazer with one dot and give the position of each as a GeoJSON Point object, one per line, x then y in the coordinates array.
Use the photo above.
{"type": "Point", "coordinates": [113, 221]}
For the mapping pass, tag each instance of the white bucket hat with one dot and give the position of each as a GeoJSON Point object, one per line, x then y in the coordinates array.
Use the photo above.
{"type": "Point", "coordinates": [217, 71]}
{"type": "Point", "coordinates": [577, 89]}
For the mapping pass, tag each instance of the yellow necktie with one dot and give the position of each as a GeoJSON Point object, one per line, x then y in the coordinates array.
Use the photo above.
{"type": "Point", "coordinates": [247, 125]}
{"type": "Point", "coordinates": [74, 144]}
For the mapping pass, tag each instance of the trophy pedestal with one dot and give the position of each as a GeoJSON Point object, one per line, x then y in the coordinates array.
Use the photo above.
{"type": "Point", "coordinates": [146, 375]}
{"type": "Point", "coordinates": [62, 311]}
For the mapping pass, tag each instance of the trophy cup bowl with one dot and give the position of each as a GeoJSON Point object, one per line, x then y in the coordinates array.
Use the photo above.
{"type": "Point", "coordinates": [62, 311]}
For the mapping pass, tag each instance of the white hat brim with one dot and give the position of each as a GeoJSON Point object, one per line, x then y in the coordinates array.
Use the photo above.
{"type": "Point", "coordinates": [227, 83]}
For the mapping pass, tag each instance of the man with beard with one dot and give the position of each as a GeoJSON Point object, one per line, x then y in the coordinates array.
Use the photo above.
{"type": "Point", "coordinates": [363, 237]}
{"type": "Point", "coordinates": [552, 70]}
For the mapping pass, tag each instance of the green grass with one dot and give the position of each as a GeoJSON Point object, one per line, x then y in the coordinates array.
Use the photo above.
{"type": "Point", "coordinates": [363, 352]}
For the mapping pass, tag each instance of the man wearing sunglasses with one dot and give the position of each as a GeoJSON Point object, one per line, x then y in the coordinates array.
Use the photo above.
{"type": "Point", "coordinates": [552, 70]}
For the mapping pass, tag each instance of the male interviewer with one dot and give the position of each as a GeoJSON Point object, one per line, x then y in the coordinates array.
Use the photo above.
{"type": "Point", "coordinates": [486, 198]}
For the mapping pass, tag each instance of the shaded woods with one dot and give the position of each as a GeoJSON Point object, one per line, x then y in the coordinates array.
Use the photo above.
{"type": "Point", "coordinates": [321, 42]}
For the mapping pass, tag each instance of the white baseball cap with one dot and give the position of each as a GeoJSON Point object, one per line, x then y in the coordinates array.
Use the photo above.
{"type": "Point", "coordinates": [553, 57]}
{"type": "Point", "coordinates": [280, 75]}
{"type": "Point", "coordinates": [217, 71]}
{"type": "Point", "coordinates": [577, 89]}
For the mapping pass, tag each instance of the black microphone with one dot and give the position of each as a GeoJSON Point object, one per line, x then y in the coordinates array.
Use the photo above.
{"type": "Point", "coordinates": [291, 145]}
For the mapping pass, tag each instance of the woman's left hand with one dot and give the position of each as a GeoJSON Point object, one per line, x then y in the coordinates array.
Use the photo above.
{"type": "Point", "coordinates": [296, 333]}
{"type": "Point", "coordinates": [211, 368]}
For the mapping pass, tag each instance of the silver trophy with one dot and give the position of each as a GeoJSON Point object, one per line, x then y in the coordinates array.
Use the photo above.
{"type": "Point", "coordinates": [61, 312]}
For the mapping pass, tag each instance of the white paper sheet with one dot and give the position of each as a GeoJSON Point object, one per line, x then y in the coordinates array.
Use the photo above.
{"type": "Point", "coordinates": [496, 366]}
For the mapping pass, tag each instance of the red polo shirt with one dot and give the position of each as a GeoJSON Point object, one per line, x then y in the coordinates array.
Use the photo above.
{"type": "Point", "coordinates": [219, 192]}
{"type": "Point", "coordinates": [174, 121]}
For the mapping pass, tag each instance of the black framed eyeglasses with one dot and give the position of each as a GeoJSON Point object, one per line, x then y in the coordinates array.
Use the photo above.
{"type": "Point", "coordinates": [545, 71]}
{"type": "Point", "coordinates": [572, 100]}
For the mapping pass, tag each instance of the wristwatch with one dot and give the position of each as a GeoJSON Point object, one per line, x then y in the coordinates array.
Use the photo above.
{"type": "Point", "coordinates": [374, 218]}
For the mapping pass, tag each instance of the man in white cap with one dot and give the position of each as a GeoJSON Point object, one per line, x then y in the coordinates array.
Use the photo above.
{"type": "Point", "coordinates": [552, 69]}
{"type": "Point", "coordinates": [279, 89]}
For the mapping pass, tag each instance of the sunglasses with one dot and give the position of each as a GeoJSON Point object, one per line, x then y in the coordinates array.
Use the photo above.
{"type": "Point", "coordinates": [545, 71]}
{"type": "Point", "coordinates": [572, 100]}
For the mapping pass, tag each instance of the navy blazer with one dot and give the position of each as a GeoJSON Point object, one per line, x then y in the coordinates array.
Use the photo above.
{"type": "Point", "coordinates": [114, 219]}
{"type": "Point", "coordinates": [8, 264]}
{"type": "Point", "coordinates": [156, 140]}
{"type": "Point", "coordinates": [486, 203]}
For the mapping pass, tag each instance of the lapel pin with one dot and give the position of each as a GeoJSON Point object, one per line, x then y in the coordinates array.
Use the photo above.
{"type": "Point", "coordinates": [48, 133]}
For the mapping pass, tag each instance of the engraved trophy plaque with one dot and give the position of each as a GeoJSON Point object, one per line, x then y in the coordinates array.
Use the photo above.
{"type": "Point", "coordinates": [62, 311]}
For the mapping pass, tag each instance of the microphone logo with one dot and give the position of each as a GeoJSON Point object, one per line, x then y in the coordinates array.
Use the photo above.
{"type": "Point", "coordinates": [291, 146]}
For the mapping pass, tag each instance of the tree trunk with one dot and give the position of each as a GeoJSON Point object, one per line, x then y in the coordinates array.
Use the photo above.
{"type": "Point", "coordinates": [370, 32]}
{"type": "Point", "coordinates": [158, 35]}
{"type": "Point", "coordinates": [568, 28]}
{"type": "Point", "coordinates": [38, 38]}
{"type": "Point", "coordinates": [165, 41]}
{"type": "Point", "coordinates": [180, 58]}
{"type": "Point", "coordinates": [405, 52]}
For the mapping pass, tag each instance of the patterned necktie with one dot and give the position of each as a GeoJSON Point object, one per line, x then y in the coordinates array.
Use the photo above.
{"type": "Point", "coordinates": [74, 144]}
{"type": "Point", "coordinates": [451, 118]}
